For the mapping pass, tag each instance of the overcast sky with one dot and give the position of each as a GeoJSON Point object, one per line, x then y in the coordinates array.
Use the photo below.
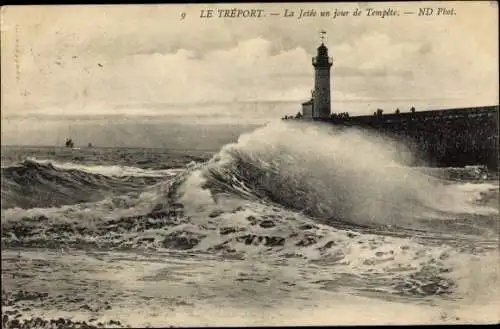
{"type": "Point", "coordinates": [143, 65]}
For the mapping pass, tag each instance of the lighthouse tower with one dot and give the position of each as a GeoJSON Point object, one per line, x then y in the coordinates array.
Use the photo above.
{"type": "Point", "coordinates": [322, 64]}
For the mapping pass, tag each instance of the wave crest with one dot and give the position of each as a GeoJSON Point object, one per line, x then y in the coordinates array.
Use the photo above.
{"type": "Point", "coordinates": [345, 175]}
{"type": "Point", "coordinates": [36, 184]}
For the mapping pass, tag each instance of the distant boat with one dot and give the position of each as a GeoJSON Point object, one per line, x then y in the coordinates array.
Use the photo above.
{"type": "Point", "coordinates": [90, 145]}
{"type": "Point", "coordinates": [69, 143]}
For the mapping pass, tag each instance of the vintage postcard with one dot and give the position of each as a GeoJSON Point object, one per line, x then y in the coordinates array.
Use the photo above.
{"type": "Point", "coordinates": [250, 164]}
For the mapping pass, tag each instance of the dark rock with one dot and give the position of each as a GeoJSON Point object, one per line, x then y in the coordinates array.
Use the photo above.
{"type": "Point", "coordinates": [306, 227]}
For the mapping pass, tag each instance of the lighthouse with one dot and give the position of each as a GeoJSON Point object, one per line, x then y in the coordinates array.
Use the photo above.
{"type": "Point", "coordinates": [322, 64]}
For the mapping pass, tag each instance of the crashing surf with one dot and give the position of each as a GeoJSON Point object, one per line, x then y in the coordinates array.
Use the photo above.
{"type": "Point", "coordinates": [286, 193]}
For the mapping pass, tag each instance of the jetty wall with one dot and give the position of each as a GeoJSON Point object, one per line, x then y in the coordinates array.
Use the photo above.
{"type": "Point", "coordinates": [443, 138]}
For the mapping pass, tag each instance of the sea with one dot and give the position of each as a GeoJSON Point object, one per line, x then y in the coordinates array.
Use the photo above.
{"type": "Point", "coordinates": [292, 224]}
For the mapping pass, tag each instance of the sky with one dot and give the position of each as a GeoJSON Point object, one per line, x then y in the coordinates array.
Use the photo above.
{"type": "Point", "coordinates": [116, 74]}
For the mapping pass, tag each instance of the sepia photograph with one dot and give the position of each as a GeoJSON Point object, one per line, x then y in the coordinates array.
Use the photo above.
{"type": "Point", "coordinates": [250, 164]}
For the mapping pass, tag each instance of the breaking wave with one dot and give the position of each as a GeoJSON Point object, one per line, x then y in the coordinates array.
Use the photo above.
{"type": "Point", "coordinates": [38, 183]}
{"type": "Point", "coordinates": [349, 176]}
{"type": "Point", "coordinates": [109, 170]}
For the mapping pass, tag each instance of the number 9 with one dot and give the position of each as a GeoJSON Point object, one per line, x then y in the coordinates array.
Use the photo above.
{"type": "Point", "coordinates": [183, 15]}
